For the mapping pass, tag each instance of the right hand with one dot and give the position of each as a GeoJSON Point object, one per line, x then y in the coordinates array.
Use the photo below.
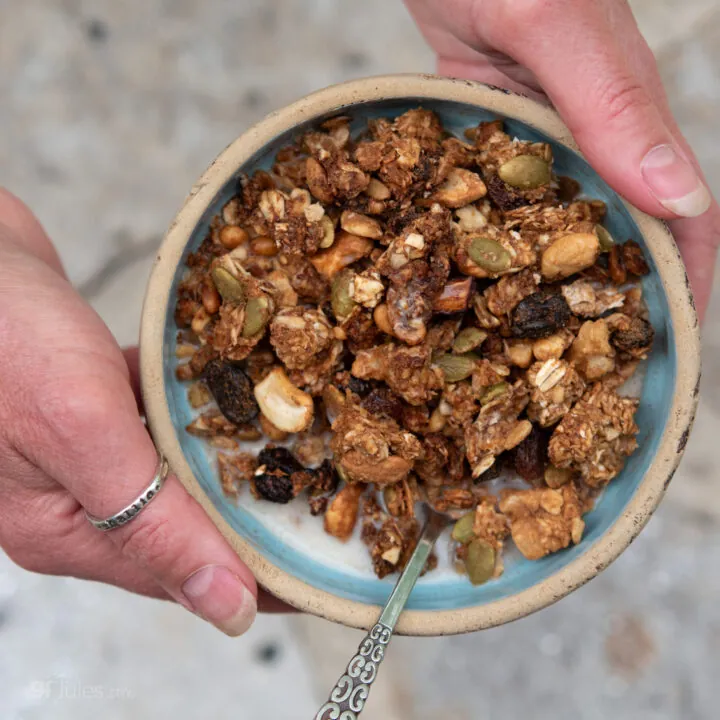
{"type": "Point", "coordinates": [72, 438]}
{"type": "Point", "coordinates": [588, 58]}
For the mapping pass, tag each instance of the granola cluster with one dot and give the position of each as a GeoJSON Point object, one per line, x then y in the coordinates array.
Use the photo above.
{"type": "Point", "coordinates": [406, 316]}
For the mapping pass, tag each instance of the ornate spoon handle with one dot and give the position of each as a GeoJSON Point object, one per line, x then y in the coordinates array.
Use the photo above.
{"type": "Point", "coordinates": [348, 697]}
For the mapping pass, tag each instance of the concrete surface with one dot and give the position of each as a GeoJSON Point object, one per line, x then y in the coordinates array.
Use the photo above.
{"type": "Point", "coordinates": [109, 111]}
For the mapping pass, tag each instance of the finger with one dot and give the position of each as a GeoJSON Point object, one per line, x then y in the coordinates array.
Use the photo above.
{"type": "Point", "coordinates": [589, 77]}
{"type": "Point", "coordinates": [132, 359]}
{"type": "Point", "coordinates": [697, 238]}
{"type": "Point", "coordinates": [22, 226]}
{"type": "Point", "coordinates": [47, 532]}
{"type": "Point", "coordinates": [75, 417]}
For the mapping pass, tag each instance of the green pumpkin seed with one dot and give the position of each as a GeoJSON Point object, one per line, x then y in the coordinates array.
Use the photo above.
{"type": "Point", "coordinates": [468, 339]}
{"type": "Point", "coordinates": [462, 531]}
{"type": "Point", "coordinates": [605, 238]}
{"type": "Point", "coordinates": [257, 313]}
{"type": "Point", "coordinates": [556, 477]}
{"type": "Point", "coordinates": [328, 232]}
{"type": "Point", "coordinates": [480, 561]}
{"type": "Point", "coordinates": [491, 256]}
{"type": "Point", "coordinates": [494, 392]}
{"type": "Point", "coordinates": [457, 367]}
{"type": "Point", "coordinates": [342, 303]}
{"type": "Point", "coordinates": [525, 172]}
{"type": "Point", "coordinates": [230, 288]}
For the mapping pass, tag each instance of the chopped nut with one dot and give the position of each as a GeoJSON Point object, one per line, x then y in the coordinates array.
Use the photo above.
{"type": "Point", "coordinates": [454, 297]}
{"type": "Point", "coordinates": [553, 346]}
{"type": "Point", "coordinates": [362, 225]}
{"type": "Point", "coordinates": [286, 406]}
{"type": "Point", "coordinates": [591, 352]}
{"type": "Point", "coordinates": [341, 515]}
{"type": "Point", "coordinates": [519, 352]}
{"type": "Point", "coordinates": [461, 188]}
{"type": "Point", "coordinates": [570, 254]}
{"type": "Point", "coordinates": [346, 250]}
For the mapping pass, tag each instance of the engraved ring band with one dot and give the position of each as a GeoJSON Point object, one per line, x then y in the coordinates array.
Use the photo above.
{"type": "Point", "coordinates": [136, 506]}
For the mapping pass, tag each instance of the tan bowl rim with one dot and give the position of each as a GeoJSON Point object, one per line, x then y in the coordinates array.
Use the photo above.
{"type": "Point", "coordinates": [415, 622]}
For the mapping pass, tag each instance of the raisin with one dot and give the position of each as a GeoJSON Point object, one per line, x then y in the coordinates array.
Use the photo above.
{"type": "Point", "coordinates": [568, 189]}
{"type": "Point", "coordinates": [540, 315]}
{"type": "Point", "coordinates": [634, 259]}
{"type": "Point", "coordinates": [345, 381]}
{"type": "Point", "coordinates": [232, 391]}
{"type": "Point", "coordinates": [383, 401]}
{"type": "Point", "coordinates": [639, 335]}
{"type": "Point", "coordinates": [275, 488]}
{"type": "Point", "coordinates": [318, 504]}
{"type": "Point", "coordinates": [278, 459]}
{"type": "Point", "coordinates": [503, 195]}
{"type": "Point", "coordinates": [531, 456]}
{"type": "Point", "coordinates": [325, 477]}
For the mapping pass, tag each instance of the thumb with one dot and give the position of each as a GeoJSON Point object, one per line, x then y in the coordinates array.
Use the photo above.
{"type": "Point", "coordinates": [584, 54]}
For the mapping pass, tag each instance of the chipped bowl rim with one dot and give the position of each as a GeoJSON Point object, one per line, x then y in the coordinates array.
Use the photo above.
{"type": "Point", "coordinates": [651, 488]}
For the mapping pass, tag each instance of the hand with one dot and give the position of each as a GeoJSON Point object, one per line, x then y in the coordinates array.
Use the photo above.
{"type": "Point", "coordinates": [590, 60]}
{"type": "Point", "coordinates": [71, 437]}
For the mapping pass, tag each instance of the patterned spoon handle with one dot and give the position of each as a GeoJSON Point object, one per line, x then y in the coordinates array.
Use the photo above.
{"type": "Point", "coordinates": [348, 697]}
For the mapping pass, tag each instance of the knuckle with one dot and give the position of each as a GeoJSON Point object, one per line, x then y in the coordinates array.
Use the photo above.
{"type": "Point", "coordinates": [513, 15]}
{"type": "Point", "coordinates": [621, 98]}
{"type": "Point", "coordinates": [148, 542]}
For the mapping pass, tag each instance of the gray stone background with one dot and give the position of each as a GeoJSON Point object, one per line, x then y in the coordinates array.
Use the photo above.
{"type": "Point", "coordinates": [109, 111]}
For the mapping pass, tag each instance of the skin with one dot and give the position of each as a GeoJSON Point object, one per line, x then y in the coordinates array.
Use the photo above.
{"type": "Point", "coordinates": [71, 432]}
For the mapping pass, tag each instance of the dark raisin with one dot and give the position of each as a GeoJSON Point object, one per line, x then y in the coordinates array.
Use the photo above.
{"type": "Point", "coordinates": [325, 477]}
{"type": "Point", "coordinates": [318, 505]}
{"type": "Point", "coordinates": [383, 401]}
{"type": "Point", "coordinates": [232, 391]}
{"type": "Point", "coordinates": [540, 315]}
{"type": "Point", "coordinates": [345, 381]}
{"type": "Point", "coordinates": [638, 335]}
{"type": "Point", "coordinates": [503, 195]}
{"type": "Point", "coordinates": [275, 488]}
{"type": "Point", "coordinates": [531, 456]}
{"type": "Point", "coordinates": [634, 259]}
{"type": "Point", "coordinates": [568, 189]}
{"type": "Point", "coordinates": [278, 459]}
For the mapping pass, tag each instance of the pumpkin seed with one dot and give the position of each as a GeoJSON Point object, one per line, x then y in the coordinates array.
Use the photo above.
{"type": "Point", "coordinates": [525, 172]}
{"type": "Point", "coordinates": [328, 232]}
{"type": "Point", "coordinates": [480, 561]}
{"type": "Point", "coordinates": [494, 392]}
{"type": "Point", "coordinates": [257, 313]}
{"type": "Point", "coordinates": [462, 531]}
{"type": "Point", "coordinates": [556, 477]}
{"type": "Point", "coordinates": [457, 367]}
{"type": "Point", "coordinates": [605, 238]}
{"type": "Point", "coordinates": [468, 339]}
{"type": "Point", "coordinates": [340, 299]}
{"type": "Point", "coordinates": [230, 288]}
{"type": "Point", "coordinates": [489, 255]}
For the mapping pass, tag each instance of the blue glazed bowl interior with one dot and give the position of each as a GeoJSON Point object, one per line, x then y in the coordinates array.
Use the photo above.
{"type": "Point", "coordinates": [446, 591]}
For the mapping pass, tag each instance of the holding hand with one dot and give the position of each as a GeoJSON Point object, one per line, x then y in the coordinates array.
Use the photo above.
{"type": "Point", "coordinates": [590, 60]}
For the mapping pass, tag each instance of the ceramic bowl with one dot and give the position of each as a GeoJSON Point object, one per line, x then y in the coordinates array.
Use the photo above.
{"type": "Point", "coordinates": [289, 554]}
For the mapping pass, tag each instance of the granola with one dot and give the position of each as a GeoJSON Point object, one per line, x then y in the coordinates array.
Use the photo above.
{"type": "Point", "coordinates": [405, 316]}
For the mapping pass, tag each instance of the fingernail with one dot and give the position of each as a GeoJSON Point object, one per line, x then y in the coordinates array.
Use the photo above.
{"type": "Point", "coordinates": [674, 182]}
{"type": "Point", "coordinates": [219, 596]}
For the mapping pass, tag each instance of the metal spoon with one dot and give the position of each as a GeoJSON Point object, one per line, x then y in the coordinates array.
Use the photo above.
{"type": "Point", "coordinates": [348, 697]}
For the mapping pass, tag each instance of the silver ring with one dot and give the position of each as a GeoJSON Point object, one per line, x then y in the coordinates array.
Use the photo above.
{"type": "Point", "coordinates": [139, 504]}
